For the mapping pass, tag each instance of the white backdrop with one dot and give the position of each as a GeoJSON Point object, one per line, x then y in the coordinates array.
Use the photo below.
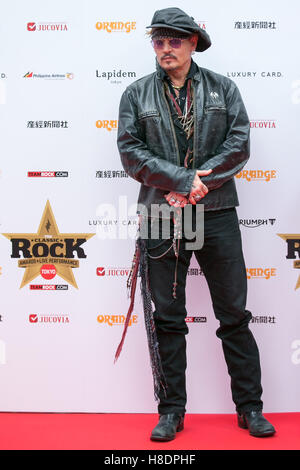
{"type": "Point", "coordinates": [62, 72]}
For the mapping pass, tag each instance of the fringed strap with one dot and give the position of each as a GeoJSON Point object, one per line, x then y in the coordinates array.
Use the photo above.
{"type": "Point", "coordinates": [131, 285]}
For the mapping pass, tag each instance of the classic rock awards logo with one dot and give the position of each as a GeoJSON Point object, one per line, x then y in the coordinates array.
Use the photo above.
{"type": "Point", "coordinates": [293, 250]}
{"type": "Point", "coordinates": [48, 250]}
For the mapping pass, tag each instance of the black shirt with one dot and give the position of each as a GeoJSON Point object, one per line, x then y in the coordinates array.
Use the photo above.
{"type": "Point", "coordinates": [182, 141]}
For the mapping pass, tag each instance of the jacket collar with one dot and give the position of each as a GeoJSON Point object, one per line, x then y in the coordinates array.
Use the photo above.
{"type": "Point", "coordinates": [194, 71]}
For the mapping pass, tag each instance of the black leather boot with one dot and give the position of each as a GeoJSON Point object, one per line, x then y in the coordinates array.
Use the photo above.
{"type": "Point", "coordinates": [167, 427]}
{"type": "Point", "coordinates": [256, 423]}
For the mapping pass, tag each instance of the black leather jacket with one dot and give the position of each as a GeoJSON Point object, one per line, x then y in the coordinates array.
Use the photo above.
{"type": "Point", "coordinates": [148, 146]}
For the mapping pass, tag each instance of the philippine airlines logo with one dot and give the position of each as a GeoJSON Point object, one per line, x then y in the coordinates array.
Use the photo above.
{"type": "Point", "coordinates": [49, 76]}
{"type": "Point", "coordinates": [293, 250]}
{"type": "Point", "coordinates": [48, 252]}
{"type": "Point", "coordinates": [47, 26]}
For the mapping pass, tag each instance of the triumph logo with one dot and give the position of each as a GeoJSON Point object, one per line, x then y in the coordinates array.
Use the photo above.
{"type": "Point", "coordinates": [254, 223]}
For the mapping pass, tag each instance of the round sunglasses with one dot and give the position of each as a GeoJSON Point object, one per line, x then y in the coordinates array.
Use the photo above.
{"type": "Point", "coordinates": [175, 43]}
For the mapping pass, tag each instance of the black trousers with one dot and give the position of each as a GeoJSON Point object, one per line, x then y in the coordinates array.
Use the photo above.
{"type": "Point", "coordinates": [222, 262]}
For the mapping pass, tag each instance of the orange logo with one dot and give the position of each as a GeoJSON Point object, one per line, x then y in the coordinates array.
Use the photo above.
{"type": "Point", "coordinates": [256, 175]}
{"type": "Point", "coordinates": [116, 319]}
{"type": "Point", "coordinates": [260, 273]}
{"type": "Point", "coordinates": [116, 26]}
{"type": "Point", "coordinates": [108, 125]}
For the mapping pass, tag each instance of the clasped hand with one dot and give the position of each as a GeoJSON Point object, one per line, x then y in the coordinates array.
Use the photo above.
{"type": "Point", "coordinates": [199, 190]}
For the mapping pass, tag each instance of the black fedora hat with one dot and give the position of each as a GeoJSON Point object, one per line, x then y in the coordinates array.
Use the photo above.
{"type": "Point", "coordinates": [178, 20]}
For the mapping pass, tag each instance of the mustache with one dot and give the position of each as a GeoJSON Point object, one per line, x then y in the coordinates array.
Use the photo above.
{"type": "Point", "coordinates": [169, 56]}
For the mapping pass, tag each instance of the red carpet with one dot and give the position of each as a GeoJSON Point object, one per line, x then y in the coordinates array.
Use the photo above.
{"type": "Point", "coordinates": [39, 431]}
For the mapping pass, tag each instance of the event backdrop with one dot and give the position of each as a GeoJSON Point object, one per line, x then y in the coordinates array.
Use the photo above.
{"type": "Point", "coordinates": [67, 215]}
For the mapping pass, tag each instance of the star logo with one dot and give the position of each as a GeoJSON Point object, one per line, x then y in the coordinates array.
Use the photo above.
{"type": "Point", "coordinates": [48, 247]}
{"type": "Point", "coordinates": [293, 247]}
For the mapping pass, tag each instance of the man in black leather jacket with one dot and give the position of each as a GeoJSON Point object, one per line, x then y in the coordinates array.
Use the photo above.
{"type": "Point", "coordinates": [184, 134]}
